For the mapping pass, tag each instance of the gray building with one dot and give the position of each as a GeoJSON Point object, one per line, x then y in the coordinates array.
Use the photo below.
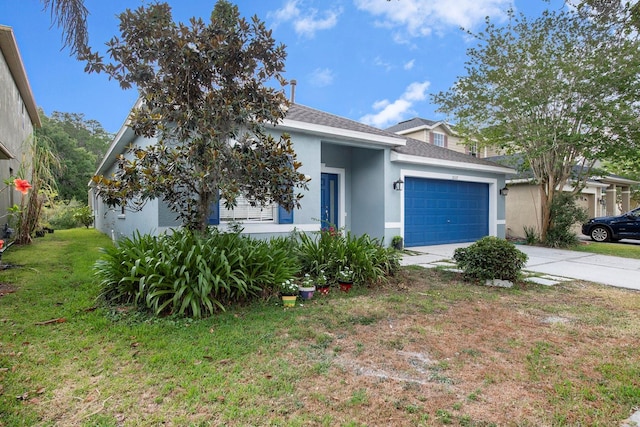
{"type": "Point", "coordinates": [18, 118]}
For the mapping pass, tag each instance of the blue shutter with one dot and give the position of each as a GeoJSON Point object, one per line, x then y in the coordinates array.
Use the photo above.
{"type": "Point", "coordinates": [284, 217]}
{"type": "Point", "coordinates": [214, 215]}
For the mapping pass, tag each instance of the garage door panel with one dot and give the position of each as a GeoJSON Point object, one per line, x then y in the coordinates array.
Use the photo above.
{"type": "Point", "coordinates": [441, 211]}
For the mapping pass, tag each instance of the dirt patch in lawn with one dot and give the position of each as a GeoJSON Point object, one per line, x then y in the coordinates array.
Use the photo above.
{"type": "Point", "coordinates": [435, 355]}
{"type": "Point", "coordinates": [6, 288]}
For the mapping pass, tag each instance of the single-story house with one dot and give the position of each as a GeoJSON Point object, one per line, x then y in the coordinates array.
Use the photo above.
{"type": "Point", "coordinates": [363, 179]}
{"type": "Point", "coordinates": [18, 117]}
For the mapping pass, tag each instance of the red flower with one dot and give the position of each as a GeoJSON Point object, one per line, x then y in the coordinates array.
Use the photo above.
{"type": "Point", "coordinates": [22, 185]}
{"type": "Point", "coordinates": [1, 243]}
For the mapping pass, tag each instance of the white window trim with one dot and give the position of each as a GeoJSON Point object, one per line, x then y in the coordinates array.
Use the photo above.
{"type": "Point", "coordinates": [438, 134]}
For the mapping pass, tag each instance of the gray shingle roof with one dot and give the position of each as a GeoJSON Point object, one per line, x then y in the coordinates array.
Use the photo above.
{"type": "Point", "coordinates": [419, 148]}
{"type": "Point", "coordinates": [410, 124]}
{"type": "Point", "coordinates": [413, 147]}
{"type": "Point", "coordinates": [305, 114]}
{"type": "Point", "coordinates": [516, 161]}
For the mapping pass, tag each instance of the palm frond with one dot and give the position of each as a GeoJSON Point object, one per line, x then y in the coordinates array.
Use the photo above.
{"type": "Point", "coordinates": [71, 16]}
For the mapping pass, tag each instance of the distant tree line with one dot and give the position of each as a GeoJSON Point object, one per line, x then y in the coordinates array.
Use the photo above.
{"type": "Point", "coordinates": [79, 145]}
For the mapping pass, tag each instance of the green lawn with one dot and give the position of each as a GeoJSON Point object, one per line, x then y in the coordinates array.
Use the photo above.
{"type": "Point", "coordinates": [424, 349]}
{"type": "Point", "coordinates": [94, 358]}
{"type": "Point", "coordinates": [626, 250]}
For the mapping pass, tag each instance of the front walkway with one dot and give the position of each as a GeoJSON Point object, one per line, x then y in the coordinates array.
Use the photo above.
{"type": "Point", "coordinates": [550, 265]}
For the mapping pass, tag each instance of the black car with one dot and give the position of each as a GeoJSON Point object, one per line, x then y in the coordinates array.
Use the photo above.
{"type": "Point", "coordinates": [613, 228]}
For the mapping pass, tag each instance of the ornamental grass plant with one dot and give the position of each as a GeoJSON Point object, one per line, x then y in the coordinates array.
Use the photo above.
{"type": "Point", "coordinates": [189, 274]}
{"type": "Point", "coordinates": [330, 252]}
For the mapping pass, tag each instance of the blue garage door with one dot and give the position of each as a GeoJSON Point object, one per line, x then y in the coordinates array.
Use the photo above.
{"type": "Point", "coordinates": [440, 211]}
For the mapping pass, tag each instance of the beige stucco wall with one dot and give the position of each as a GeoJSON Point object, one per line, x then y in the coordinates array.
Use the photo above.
{"type": "Point", "coordinates": [453, 142]}
{"type": "Point", "coordinates": [588, 203]}
{"type": "Point", "coordinates": [522, 209]}
{"type": "Point", "coordinates": [421, 135]}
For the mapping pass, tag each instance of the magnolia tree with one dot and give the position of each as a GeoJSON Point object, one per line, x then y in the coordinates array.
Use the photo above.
{"type": "Point", "coordinates": [560, 90]}
{"type": "Point", "coordinates": [205, 97]}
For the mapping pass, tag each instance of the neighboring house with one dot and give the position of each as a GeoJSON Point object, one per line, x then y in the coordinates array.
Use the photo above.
{"type": "Point", "coordinates": [438, 133]}
{"type": "Point", "coordinates": [602, 196]}
{"type": "Point", "coordinates": [18, 117]}
{"type": "Point", "coordinates": [363, 179]}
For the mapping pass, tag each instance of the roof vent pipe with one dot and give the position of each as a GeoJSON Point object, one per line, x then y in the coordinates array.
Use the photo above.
{"type": "Point", "coordinates": [293, 90]}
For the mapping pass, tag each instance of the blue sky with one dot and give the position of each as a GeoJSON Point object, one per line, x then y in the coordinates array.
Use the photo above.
{"type": "Point", "coordinates": [374, 61]}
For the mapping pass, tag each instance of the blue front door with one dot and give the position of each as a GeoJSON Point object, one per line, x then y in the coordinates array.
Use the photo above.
{"type": "Point", "coordinates": [329, 199]}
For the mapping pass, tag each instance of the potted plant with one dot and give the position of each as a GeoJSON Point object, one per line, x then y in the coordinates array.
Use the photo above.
{"type": "Point", "coordinates": [289, 293]}
{"type": "Point", "coordinates": [307, 287]}
{"type": "Point", "coordinates": [345, 279]}
{"type": "Point", "coordinates": [397, 242]}
{"type": "Point", "coordinates": [321, 283]}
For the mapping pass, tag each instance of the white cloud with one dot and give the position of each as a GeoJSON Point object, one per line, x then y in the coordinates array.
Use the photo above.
{"type": "Point", "coordinates": [305, 22]}
{"type": "Point", "coordinates": [379, 105]}
{"type": "Point", "coordinates": [308, 26]}
{"type": "Point", "coordinates": [289, 12]}
{"type": "Point", "coordinates": [379, 62]}
{"type": "Point", "coordinates": [418, 18]}
{"type": "Point", "coordinates": [321, 77]}
{"type": "Point", "coordinates": [409, 65]}
{"type": "Point", "coordinates": [416, 91]}
{"type": "Point", "coordinates": [393, 112]}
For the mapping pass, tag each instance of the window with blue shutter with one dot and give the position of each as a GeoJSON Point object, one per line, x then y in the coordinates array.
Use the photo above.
{"type": "Point", "coordinates": [214, 215]}
{"type": "Point", "coordinates": [284, 217]}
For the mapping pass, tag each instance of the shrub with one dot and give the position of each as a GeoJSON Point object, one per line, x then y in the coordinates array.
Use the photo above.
{"type": "Point", "coordinates": [490, 258]}
{"type": "Point", "coordinates": [316, 251]}
{"type": "Point", "coordinates": [61, 215]}
{"type": "Point", "coordinates": [397, 242]}
{"type": "Point", "coordinates": [84, 216]}
{"type": "Point", "coordinates": [564, 214]}
{"type": "Point", "coordinates": [190, 274]}
{"type": "Point", "coordinates": [330, 252]}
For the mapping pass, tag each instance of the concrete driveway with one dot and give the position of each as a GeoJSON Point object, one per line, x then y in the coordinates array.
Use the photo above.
{"type": "Point", "coordinates": [603, 269]}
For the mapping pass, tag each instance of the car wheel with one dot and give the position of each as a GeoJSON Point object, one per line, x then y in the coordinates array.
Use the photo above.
{"type": "Point", "coordinates": [600, 234]}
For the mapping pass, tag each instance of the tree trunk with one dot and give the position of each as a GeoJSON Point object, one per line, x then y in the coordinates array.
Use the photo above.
{"type": "Point", "coordinates": [203, 212]}
{"type": "Point", "coordinates": [547, 191]}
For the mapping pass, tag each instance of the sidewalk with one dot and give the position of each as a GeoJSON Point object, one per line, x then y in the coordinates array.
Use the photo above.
{"type": "Point", "coordinates": [603, 269]}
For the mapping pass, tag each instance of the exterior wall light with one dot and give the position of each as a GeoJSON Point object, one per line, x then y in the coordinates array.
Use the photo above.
{"type": "Point", "coordinates": [504, 191]}
{"type": "Point", "coordinates": [397, 185]}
